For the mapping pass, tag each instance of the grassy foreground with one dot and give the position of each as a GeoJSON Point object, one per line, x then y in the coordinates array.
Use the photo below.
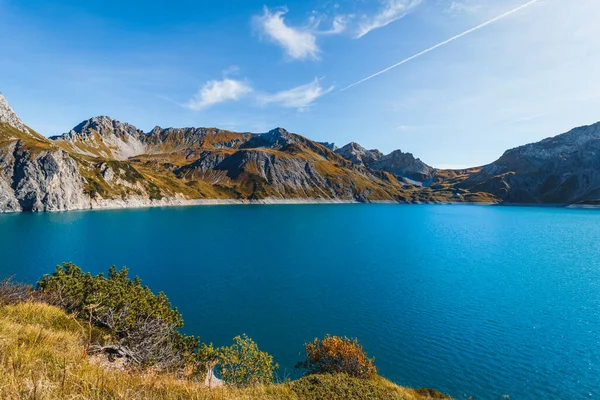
{"type": "Point", "coordinates": [42, 356]}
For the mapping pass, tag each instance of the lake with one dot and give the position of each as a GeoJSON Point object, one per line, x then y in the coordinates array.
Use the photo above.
{"type": "Point", "coordinates": [471, 300]}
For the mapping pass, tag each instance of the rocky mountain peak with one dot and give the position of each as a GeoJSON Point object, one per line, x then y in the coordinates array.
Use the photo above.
{"type": "Point", "coordinates": [104, 125]}
{"type": "Point", "coordinates": [359, 155]}
{"type": "Point", "coordinates": [278, 133]}
{"type": "Point", "coordinates": [8, 116]}
{"type": "Point", "coordinates": [274, 139]}
{"type": "Point", "coordinates": [105, 137]}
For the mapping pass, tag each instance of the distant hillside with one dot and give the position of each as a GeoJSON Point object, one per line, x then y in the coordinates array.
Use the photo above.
{"type": "Point", "coordinates": [106, 163]}
{"type": "Point", "coordinates": [561, 170]}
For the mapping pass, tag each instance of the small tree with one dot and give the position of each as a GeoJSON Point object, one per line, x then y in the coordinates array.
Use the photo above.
{"type": "Point", "coordinates": [335, 354]}
{"type": "Point", "coordinates": [144, 324]}
{"type": "Point", "coordinates": [243, 364]}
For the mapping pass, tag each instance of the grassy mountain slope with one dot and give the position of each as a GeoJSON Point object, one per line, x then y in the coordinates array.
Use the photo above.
{"type": "Point", "coordinates": [209, 163]}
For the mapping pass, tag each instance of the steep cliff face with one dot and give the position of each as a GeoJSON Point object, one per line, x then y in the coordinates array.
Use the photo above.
{"type": "Point", "coordinates": [561, 170]}
{"type": "Point", "coordinates": [35, 175]}
{"type": "Point", "coordinates": [41, 181]}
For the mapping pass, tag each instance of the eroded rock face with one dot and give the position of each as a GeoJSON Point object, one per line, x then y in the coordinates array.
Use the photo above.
{"type": "Point", "coordinates": [43, 181]}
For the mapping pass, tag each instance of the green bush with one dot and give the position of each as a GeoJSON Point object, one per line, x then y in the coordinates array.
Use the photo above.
{"type": "Point", "coordinates": [145, 324]}
{"type": "Point", "coordinates": [242, 364]}
{"type": "Point", "coordinates": [342, 387]}
{"type": "Point", "coordinates": [335, 354]}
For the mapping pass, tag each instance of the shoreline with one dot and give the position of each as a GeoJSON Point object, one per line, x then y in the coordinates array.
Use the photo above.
{"type": "Point", "coordinates": [138, 203]}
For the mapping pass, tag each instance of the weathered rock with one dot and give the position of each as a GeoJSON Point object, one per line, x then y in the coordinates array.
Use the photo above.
{"type": "Point", "coordinates": [40, 181]}
{"type": "Point", "coordinates": [8, 116]}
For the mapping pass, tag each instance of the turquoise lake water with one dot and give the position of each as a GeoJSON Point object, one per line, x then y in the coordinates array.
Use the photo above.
{"type": "Point", "coordinates": [473, 301]}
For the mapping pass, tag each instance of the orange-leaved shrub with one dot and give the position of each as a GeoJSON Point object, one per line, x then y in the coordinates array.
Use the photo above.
{"type": "Point", "coordinates": [334, 354]}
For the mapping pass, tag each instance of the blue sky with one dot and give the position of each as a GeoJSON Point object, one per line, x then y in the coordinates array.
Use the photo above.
{"type": "Point", "coordinates": [255, 65]}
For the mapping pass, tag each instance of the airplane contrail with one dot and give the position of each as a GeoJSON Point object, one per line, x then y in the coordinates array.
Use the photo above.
{"type": "Point", "coordinates": [445, 42]}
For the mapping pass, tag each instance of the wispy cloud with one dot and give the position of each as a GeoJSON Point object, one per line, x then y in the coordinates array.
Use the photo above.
{"type": "Point", "coordinates": [300, 97]}
{"type": "Point", "coordinates": [297, 43]}
{"type": "Point", "coordinates": [214, 92]}
{"type": "Point", "coordinates": [445, 42]}
{"type": "Point", "coordinates": [392, 10]}
{"type": "Point", "coordinates": [339, 23]}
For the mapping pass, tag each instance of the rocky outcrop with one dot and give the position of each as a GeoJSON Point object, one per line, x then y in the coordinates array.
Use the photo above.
{"type": "Point", "coordinates": [561, 170]}
{"type": "Point", "coordinates": [357, 154]}
{"type": "Point", "coordinates": [39, 181]}
{"type": "Point", "coordinates": [8, 116]}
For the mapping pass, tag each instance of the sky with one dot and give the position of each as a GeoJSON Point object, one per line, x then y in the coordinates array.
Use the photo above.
{"type": "Point", "coordinates": [455, 82]}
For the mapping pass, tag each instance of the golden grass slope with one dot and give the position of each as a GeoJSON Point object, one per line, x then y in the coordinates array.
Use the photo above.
{"type": "Point", "coordinates": [42, 356]}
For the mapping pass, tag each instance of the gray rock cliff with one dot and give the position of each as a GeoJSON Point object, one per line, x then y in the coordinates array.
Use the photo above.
{"type": "Point", "coordinates": [39, 181]}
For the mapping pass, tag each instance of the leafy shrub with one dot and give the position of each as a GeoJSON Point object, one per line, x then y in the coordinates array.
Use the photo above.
{"type": "Point", "coordinates": [144, 325]}
{"type": "Point", "coordinates": [242, 364]}
{"type": "Point", "coordinates": [335, 354]}
{"type": "Point", "coordinates": [343, 387]}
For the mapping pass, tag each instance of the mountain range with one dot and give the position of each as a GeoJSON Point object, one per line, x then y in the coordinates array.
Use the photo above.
{"type": "Point", "coordinates": [104, 163]}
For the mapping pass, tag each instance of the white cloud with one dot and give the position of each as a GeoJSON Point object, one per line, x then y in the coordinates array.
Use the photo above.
{"type": "Point", "coordinates": [214, 92]}
{"type": "Point", "coordinates": [298, 43]}
{"type": "Point", "coordinates": [299, 97]}
{"type": "Point", "coordinates": [339, 23]}
{"type": "Point", "coordinates": [391, 11]}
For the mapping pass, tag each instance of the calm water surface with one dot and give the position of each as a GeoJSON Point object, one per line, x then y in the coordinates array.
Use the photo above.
{"type": "Point", "coordinates": [474, 301]}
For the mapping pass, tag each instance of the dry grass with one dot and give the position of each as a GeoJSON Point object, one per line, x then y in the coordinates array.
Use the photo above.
{"type": "Point", "coordinates": [42, 356]}
{"type": "Point", "coordinates": [34, 142]}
